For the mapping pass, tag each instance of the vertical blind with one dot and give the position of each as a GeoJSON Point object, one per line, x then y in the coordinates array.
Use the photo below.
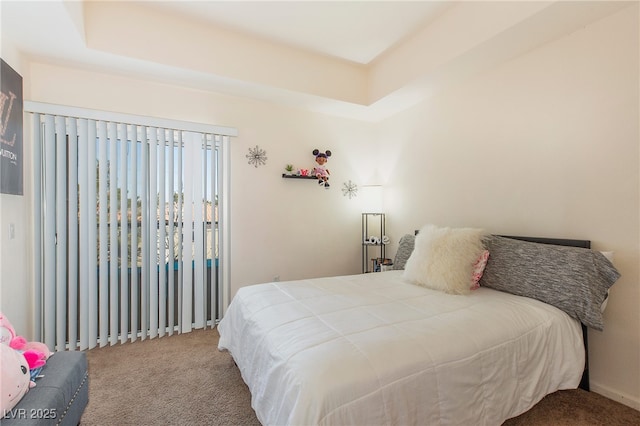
{"type": "Point", "coordinates": [131, 229]}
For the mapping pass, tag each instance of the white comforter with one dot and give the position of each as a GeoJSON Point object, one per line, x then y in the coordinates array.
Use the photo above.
{"type": "Point", "coordinates": [371, 349]}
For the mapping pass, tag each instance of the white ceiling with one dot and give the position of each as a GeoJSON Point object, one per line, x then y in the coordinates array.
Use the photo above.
{"type": "Point", "coordinates": [53, 31]}
{"type": "Point", "coordinates": [357, 31]}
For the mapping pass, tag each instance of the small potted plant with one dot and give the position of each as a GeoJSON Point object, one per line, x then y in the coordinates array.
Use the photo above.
{"type": "Point", "coordinates": [289, 169]}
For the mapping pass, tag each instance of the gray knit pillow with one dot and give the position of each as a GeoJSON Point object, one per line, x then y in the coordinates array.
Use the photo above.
{"type": "Point", "coordinates": [405, 248]}
{"type": "Point", "coordinates": [573, 279]}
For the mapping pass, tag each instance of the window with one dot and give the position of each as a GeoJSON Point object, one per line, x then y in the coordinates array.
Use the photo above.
{"type": "Point", "coordinates": [131, 238]}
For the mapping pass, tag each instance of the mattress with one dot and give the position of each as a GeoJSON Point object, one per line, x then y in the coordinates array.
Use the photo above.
{"type": "Point", "coordinates": [373, 349]}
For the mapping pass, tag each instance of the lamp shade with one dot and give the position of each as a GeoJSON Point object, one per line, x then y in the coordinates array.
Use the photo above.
{"type": "Point", "coordinates": [371, 198]}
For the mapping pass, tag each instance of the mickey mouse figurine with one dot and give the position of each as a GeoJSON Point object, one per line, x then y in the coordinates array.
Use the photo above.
{"type": "Point", "coordinates": [320, 171]}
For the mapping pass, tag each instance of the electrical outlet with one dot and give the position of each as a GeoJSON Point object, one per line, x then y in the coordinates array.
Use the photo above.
{"type": "Point", "coordinates": [276, 278]}
{"type": "Point", "coordinates": [12, 231]}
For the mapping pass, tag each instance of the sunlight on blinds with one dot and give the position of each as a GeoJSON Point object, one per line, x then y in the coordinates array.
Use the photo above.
{"type": "Point", "coordinates": [128, 236]}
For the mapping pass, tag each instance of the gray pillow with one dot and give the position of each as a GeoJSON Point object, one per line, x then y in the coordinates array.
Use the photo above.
{"type": "Point", "coordinates": [573, 279]}
{"type": "Point", "coordinates": [405, 248]}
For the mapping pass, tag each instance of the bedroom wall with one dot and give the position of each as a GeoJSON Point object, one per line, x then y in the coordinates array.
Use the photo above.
{"type": "Point", "coordinates": [281, 228]}
{"type": "Point", "coordinates": [15, 281]}
{"type": "Point", "coordinates": [547, 145]}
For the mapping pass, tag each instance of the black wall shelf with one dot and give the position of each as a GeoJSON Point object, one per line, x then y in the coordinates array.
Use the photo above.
{"type": "Point", "coordinates": [298, 177]}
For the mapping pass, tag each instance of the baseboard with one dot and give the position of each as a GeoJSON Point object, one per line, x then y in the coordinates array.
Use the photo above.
{"type": "Point", "coordinates": [627, 400]}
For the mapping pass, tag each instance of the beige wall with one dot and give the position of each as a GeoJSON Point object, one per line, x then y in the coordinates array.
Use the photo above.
{"type": "Point", "coordinates": [16, 297]}
{"type": "Point", "coordinates": [544, 145]}
{"type": "Point", "coordinates": [281, 227]}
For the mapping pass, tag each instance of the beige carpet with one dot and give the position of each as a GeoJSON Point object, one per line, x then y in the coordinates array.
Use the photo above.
{"type": "Point", "coordinates": [184, 380]}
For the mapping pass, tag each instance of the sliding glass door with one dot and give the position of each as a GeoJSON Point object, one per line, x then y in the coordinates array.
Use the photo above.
{"type": "Point", "coordinates": [130, 229]}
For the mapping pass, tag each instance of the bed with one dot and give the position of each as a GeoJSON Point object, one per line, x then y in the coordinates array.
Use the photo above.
{"type": "Point", "coordinates": [378, 349]}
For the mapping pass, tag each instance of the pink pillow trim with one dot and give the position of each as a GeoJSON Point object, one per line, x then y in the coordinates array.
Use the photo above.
{"type": "Point", "coordinates": [478, 269]}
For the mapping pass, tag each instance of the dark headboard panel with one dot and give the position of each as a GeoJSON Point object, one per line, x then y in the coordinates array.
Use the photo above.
{"type": "Point", "coordinates": [556, 241]}
{"type": "Point", "coordinates": [584, 383]}
{"type": "Point", "coordinates": [541, 240]}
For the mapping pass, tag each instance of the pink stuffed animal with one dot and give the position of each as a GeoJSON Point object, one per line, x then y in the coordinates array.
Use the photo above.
{"type": "Point", "coordinates": [41, 348]}
{"type": "Point", "coordinates": [35, 353]}
{"type": "Point", "coordinates": [15, 378]}
{"type": "Point", "coordinates": [8, 334]}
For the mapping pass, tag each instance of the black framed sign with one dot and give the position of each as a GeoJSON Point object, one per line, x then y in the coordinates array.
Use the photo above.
{"type": "Point", "coordinates": [11, 108]}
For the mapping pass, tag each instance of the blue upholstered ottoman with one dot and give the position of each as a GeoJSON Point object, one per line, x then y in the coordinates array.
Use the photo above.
{"type": "Point", "coordinates": [59, 398]}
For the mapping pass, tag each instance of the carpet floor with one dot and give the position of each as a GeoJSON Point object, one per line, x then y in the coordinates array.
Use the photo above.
{"type": "Point", "coordinates": [184, 380]}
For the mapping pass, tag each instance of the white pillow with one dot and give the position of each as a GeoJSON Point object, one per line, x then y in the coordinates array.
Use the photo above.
{"type": "Point", "coordinates": [443, 258]}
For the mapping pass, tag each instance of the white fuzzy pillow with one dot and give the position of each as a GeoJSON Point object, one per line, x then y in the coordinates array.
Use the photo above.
{"type": "Point", "coordinates": [443, 258]}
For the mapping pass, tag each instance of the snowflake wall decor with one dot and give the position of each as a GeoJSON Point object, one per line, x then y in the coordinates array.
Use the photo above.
{"type": "Point", "coordinates": [350, 189]}
{"type": "Point", "coordinates": [257, 156]}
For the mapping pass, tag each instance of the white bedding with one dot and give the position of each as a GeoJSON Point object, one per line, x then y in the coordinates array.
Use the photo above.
{"type": "Point", "coordinates": [371, 349]}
